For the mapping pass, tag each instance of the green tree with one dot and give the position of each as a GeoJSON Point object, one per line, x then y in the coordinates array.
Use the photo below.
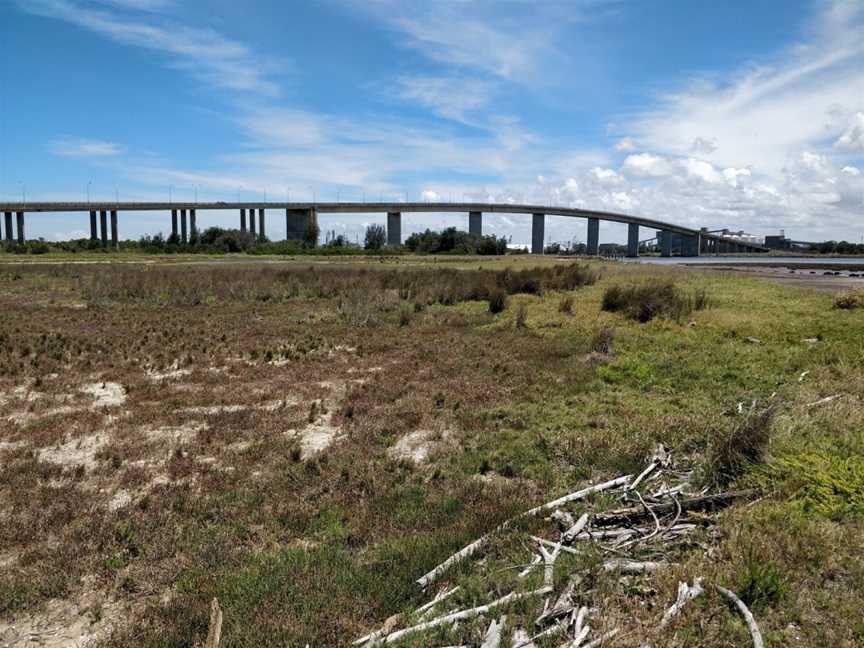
{"type": "Point", "coordinates": [311, 233]}
{"type": "Point", "coordinates": [376, 237]}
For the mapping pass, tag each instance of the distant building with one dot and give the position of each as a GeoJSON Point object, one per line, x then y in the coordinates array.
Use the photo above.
{"type": "Point", "coordinates": [782, 242]}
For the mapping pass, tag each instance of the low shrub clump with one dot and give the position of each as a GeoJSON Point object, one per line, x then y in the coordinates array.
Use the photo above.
{"type": "Point", "coordinates": [649, 301]}
{"type": "Point", "coordinates": [731, 452]}
{"type": "Point", "coordinates": [848, 301]}
{"type": "Point", "coordinates": [497, 301]}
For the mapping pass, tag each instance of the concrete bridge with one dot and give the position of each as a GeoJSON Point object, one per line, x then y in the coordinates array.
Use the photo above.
{"type": "Point", "coordinates": [688, 241]}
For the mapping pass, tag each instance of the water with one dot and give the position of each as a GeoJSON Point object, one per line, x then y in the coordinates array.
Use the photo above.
{"type": "Point", "coordinates": [744, 260]}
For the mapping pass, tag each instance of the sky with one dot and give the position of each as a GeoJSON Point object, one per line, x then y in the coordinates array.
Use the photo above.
{"type": "Point", "coordinates": [746, 115]}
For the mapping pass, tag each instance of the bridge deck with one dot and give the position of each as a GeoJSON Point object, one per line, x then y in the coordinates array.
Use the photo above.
{"type": "Point", "coordinates": [375, 207]}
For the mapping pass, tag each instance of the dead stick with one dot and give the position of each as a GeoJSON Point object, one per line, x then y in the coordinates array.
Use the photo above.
{"type": "Point", "coordinates": [746, 613]}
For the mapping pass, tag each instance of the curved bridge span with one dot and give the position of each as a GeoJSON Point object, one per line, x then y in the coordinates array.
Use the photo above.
{"type": "Point", "coordinates": [684, 240]}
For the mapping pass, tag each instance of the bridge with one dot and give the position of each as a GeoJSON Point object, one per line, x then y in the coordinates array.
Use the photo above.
{"type": "Point", "coordinates": [298, 216]}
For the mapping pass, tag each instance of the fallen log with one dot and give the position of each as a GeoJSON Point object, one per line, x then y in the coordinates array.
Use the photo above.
{"type": "Point", "coordinates": [703, 503]}
{"type": "Point", "coordinates": [463, 614]}
{"type": "Point", "coordinates": [633, 567]}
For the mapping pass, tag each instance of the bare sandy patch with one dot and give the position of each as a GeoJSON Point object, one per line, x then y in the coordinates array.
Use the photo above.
{"type": "Point", "coordinates": [416, 446]}
{"type": "Point", "coordinates": [176, 433]}
{"type": "Point", "coordinates": [270, 406]}
{"type": "Point", "coordinates": [173, 372]}
{"type": "Point", "coordinates": [80, 451]}
{"type": "Point", "coordinates": [105, 394]}
{"type": "Point", "coordinates": [63, 623]}
{"type": "Point", "coordinates": [320, 433]}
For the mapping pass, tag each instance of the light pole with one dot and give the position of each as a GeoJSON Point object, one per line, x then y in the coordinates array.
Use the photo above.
{"type": "Point", "coordinates": [23, 193]}
{"type": "Point", "coordinates": [88, 191]}
{"type": "Point", "coordinates": [116, 194]}
{"type": "Point", "coordinates": [170, 192]}
{"type": "Point", "coordinates": [196, 194]}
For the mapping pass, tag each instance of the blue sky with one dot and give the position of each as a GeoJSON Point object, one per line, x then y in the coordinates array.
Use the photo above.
{"type": "Point", "coordinates": [720, 114]}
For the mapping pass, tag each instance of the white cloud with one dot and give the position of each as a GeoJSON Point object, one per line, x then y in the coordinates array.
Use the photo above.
{"type": "Point", "coordinates": [608, 176]}
{"type": "Point", "coordinates": [85, 148]}
{"type": "Point", "coordinates": [853, 171]}
{"type": "Point", "coordinates": [646, 164]}
{"type": "Point", "coordinates": [204, 53]}
{"type": "Point", "coordinates": [761, 118]}
{"type": "Point", "coordinates": [704, 146]}
{"type": "Point", "coordinates": [702, 170]}
{"type": "Point", "coordinates": [852, 140]}
{"type": "Point", "coordinates": [625, 144]}
{"type": "Point", "coordinates": [452, 97]}
{"type": "Point", "coordinates": [732, 175]}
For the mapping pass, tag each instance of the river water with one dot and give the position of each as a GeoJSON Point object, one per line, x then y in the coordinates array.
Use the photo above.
{"type": "Point", "coordinates": [776, 261]}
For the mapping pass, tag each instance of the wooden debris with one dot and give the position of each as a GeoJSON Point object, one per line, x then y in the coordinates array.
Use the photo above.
{"type": "Point", "coordinates": [823, 401]}
{"type": "Point", "coordinates": [522, 639]}
{"type": "Point", "coordinates": [492, 638]}
{"type": "Point", "coordinates": [633, 566]}
{"type": "Point", "coordinates": [575, 529]}
{"type": "Point", "coordinates": [601, 639]}
{"type": "Point", "coordinates": [702, 503]}
{"type": "Point", "coordinates": [440, 596]}
{"type": "Point", "coordinates": [214, 632]}
{"type": "Point", "coordinates": [470, 549]}
{"type": "Point", "coordinates": [463, 614]}
{"type": "Point", "coordinates": [685, 593]}
{"type": "Point", "coordinates": [745, 612]}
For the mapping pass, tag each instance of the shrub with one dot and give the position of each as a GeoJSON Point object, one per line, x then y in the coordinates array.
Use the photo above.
{"type": "Point", "coordinates": [601, 340]}
{"type": "Point", "coordinates": [522, 316]}
{"type": "Point", "coordinates": [730, 453]}
{"type": "Point", "coordinates": [497, 301]}
{"type": "Point", "coordinates": [566, 305]}
{"type": "Point", "coordinates": [761, 584]}
{"type": "Point", "coordinates": [406, 314]}
{"type": "Point", "coordinates": [849, 300]}
{"type": "Point", "coordinates": [649, 301]}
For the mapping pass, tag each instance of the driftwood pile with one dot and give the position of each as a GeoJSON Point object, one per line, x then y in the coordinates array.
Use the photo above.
{"type": "Point", "coordinates": [657, 513]}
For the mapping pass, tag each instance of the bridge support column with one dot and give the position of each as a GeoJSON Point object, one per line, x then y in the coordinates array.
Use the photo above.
{"type": "Point", "coordinates": [690, 245]}
{"type": "Point", "coordinates": [174, 224]}
{"type": "Point", "coordinates": [593, 236]}
{"type": "Point", "coordinates": [8, 219]}
{"type": "Point", "coordinates": [184, 238]}
{"type": "Point", "coordinates": [666, 243]}
{"type": "Point", "coordinates": [261, 233]}
{"type": "Point", "coordinates": [93, 231]}
{"type": "Point", "coordinates": [252, 226]}
{"type": "Point", "coordinates": [538, 233]}
{"type": "Point", "coordinates": [114, 238]}
{"type": "Point", "coordinates": [297, 221]}
{"type": "Point", "coordinates": [193, 226]}
{"type": "Point", "coordinates": [394, 229]}
{"type": "Point", "coordinates": [20, 219]}
{"type": "Point", "coordinates": [632, 240]}
{"type": "Point", "coordinates": [103, 228]}
{"type": "Point", "coordinates": [475, 223]}
{"type": "Point", "coordinates": [242, 221]}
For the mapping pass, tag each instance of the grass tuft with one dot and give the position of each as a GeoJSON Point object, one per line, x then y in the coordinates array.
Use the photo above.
{"type": "Point", "coordinates": [648, 301]}
{"type": "Point", "coordinates": [731, 452]}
